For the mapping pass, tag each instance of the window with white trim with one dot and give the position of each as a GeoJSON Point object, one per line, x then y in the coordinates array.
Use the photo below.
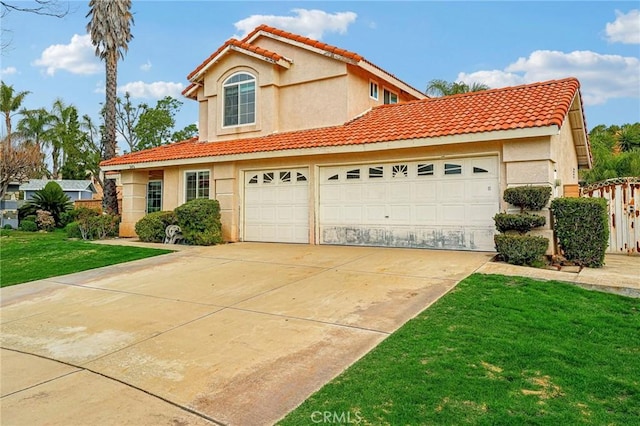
{"type": "Point", "coordinates": [389, 97]}
{"type": "Point", "coordinates": [373, 90]}
{"type": "Point", "coordinates": [196, 185]}
{"type": "Point", "coordinates": [239, 99]}
{"type": "Point", "coordinates": [154, 196]}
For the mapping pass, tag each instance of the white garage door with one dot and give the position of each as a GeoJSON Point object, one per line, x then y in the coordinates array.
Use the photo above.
{"type": "Point", "coordinates": [432, 204]}
{"type": "Point", "coordinates": [276, 206]}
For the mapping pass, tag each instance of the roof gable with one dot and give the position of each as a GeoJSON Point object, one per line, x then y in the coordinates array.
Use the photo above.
{"type": "Point", "coordinates": [540, 105]}
{"type": "Point", "coordinates": [246, 46]}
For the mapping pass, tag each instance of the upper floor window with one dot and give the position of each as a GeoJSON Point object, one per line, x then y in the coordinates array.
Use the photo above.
{"type": "Point", "coordinates": [239, 99]}
{"type": "Point", "coordinates": [390, 97]}
{"type": "Point", "coordinates": [373, 90]}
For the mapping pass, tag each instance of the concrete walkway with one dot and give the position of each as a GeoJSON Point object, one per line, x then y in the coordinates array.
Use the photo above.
{"type": "Point", "coordinates": [236, 334]}
{"type": "Point", "coordinates": [620, 274]}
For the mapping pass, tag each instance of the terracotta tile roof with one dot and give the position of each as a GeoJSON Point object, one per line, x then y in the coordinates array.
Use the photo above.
{"type": "Point", "coordinates": [241, 44]}
{"type": "Point", "coordinates": [317, 44]}
{"type": "Point", "coordinates": [528, 106]}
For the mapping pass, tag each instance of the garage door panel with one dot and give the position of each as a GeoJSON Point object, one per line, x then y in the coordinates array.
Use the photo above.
{"type": "Point", "coordinates": [436, 204]}
{"type": "Point", "coordinates": [276, 206]}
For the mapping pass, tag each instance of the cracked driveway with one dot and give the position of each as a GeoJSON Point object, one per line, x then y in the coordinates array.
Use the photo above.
{"type": "Point", "coordinates": [235, 334]}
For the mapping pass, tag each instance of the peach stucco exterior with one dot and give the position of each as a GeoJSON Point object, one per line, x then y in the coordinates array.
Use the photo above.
{"type": "Point", "coordinates": [302, 88]}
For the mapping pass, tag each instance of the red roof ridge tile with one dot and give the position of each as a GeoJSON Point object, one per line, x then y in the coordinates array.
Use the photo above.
{"type": "Point", "coordinates": [241, 44]}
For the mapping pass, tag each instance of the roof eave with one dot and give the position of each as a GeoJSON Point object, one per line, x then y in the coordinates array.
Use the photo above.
{"type": "Point", "coordinates": [348, 148]}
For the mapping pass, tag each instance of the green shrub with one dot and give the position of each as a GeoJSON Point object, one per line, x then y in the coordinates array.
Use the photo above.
{"type": "Point", "coordinates": [151, 228]}
{"type": "Point", "coordinates": [73, 230]}
{"type": "Point", "coordinates": [522, 222]}
{"type": "Point", "coordinates": [528, 197]}
{"type": "Point", "coordinates": [7, 226]}
{"type": "Point", "coordinates": [582, 228]}
{"type": "Point", "coordinates": [521, 249]}
{"type": "Point", "coordinates": [29, 218]}
{"type": "Point", "coordinates": [28, 226]}
{"type": "Point", "coordinates": [199, 221]}
{"type": "Point", "coordinates": [50, 198]}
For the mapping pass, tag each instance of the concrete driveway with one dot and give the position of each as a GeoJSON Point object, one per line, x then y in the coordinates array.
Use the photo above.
{"type": "Point", "coordinates": [237, 334]}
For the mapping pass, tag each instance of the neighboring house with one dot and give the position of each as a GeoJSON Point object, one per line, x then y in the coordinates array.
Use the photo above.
{"type": "Point", "coordinates": [75, 189]}
{"type": "Point", "coordinates": [297, 144]}
{"type": "Point", "coordinates": [9, 206]}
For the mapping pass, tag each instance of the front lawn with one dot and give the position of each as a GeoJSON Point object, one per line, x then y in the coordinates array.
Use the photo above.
{"type": "Point", "coordinates": [496, 350]}
{"type": "Point", "coordinates": [29, 256]}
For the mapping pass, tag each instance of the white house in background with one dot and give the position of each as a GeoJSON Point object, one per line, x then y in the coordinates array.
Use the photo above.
{"type": "Point", "coordinates": [75, 189]}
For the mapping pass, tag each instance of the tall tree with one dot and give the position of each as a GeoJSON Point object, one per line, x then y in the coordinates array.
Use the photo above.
{"type": "Point", "coordinates": [110, 30]}
{"type": "Point", "coordinates": [64, 134]}
{"type": "Point", "coordinates": [440, 88]}
{"type": "Point", "coordinates": [127, 116]}
{"type": "Point", "coordinates": [156, 124]}
{"type": "Point", "coordinates": [10, 102]}
{"type": "Point", "coordinates": [188, 132]}
{"type": "Point", "coordinates": [17, 162]}
{"type": "Point", "coordinates": [34, 128]}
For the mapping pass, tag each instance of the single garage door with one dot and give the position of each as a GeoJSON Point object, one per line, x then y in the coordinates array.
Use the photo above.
{"type": "Point", "coordinates": [276, 205]}
{"type": "Point", "coordinates": [446, 204]}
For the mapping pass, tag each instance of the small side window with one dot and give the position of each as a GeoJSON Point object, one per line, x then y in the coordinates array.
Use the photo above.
{"type": "Point", "coordinates": [400, 170]}
{"type": "Point", "coordinates": [267, 177]}
{"type": "Point", "coordinates": [301, 178]}
{"type": "Point", "coordinates": [334, 177]}
{"type": "Point", "coordinates": [479, 170]}
{"type": "Point", "coordinates": [254, 179]}
{"type": "Point", "coordinates": [373, 90]}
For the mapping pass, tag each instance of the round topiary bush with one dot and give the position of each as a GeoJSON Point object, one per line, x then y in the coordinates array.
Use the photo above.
{"type": "Point", "coordinates": [199, 221]}
{"type": "Point", "coordinates": [151, 228]}
{"type": "Point", "coordinates": [521, 223]}
{"type": "Point", "coordinates": [28, 226]}
{"type": "Point", "coordinates": [521, 249]}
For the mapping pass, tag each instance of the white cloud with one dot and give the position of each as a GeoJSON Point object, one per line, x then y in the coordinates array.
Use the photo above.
{"type": "Point", "coordinates": [155, 90]}
{"type": "Point", "coordinates": [602, 77]}
{"type": "Point", "coordinates": [8, 71]}
{"type": "Point", "coordinates": [310, 23]}
{"type": "Point", "coordinates": [625, 29]}
{"type": "Point", "coordinates": [146, 66]}
{"type": "Point", "coordinates": [77, 57]}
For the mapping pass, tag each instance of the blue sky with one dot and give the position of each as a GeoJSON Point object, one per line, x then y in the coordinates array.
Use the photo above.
{"type": "Point", "coordinates": [497, 43]}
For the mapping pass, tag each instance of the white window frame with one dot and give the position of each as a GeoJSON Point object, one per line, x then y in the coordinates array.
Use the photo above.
{"type": "Point", "coordinates": [197, 172]}
{"type": "Point", "coordinates": [225, 85]}
{"type": "Point", "coordinates": [391, 92]}
{"type": "Point", "coordinates": [147, 195]}
{"type": "Point", "coordinates": [372, 85]}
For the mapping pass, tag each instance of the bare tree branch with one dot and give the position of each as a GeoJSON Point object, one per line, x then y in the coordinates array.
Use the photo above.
{"type": "Point", "coordinates": [41, 7]}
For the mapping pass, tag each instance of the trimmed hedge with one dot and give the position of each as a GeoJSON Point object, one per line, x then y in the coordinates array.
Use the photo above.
{"type": "Point", "coordinates": [73, 230]}
{"type": "Point", "coordinates": [521, 249]}
{"type": "Point", "coordinates": [522, 223]}
{"type": "Point", "coordinates": [151, 228]}
{"type": "Point", "coordinates": [28, 226]}
{"type": "Point", "coordinates": [199, 221]}
{"type": "Point", "coordinates": [582, 228]}
{"type": "Point", "coordinates": [528, 197]}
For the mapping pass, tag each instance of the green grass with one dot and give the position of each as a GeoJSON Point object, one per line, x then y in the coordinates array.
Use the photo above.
{"type": "Point", "coordinates": [29, 256]}
{"type": "Point", "coordinates": [497, 350]}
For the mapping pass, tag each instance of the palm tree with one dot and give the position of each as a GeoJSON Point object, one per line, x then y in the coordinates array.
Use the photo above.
{"type": "Point", "coordinates": [65, 133]}
{"type": "Point", "coordinates": [110, 30]}
{"type": "Point", "coordinates": [10, 102]}
{"type": "Point", "coordinates": [34, 126]}
{"type": "Point", "coordinates": [440, 88]}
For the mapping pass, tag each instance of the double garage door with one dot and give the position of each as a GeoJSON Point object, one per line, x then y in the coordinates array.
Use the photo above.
{"type": "Point", "coordinates": [432, 204]}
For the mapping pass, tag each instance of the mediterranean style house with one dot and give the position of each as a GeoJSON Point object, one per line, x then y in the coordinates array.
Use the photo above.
{"type": "Point", "coordinates": [304, 142]}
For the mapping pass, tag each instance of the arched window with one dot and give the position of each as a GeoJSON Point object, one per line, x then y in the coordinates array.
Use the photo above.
{"type": "Point", "coordinates": [239, 99]}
